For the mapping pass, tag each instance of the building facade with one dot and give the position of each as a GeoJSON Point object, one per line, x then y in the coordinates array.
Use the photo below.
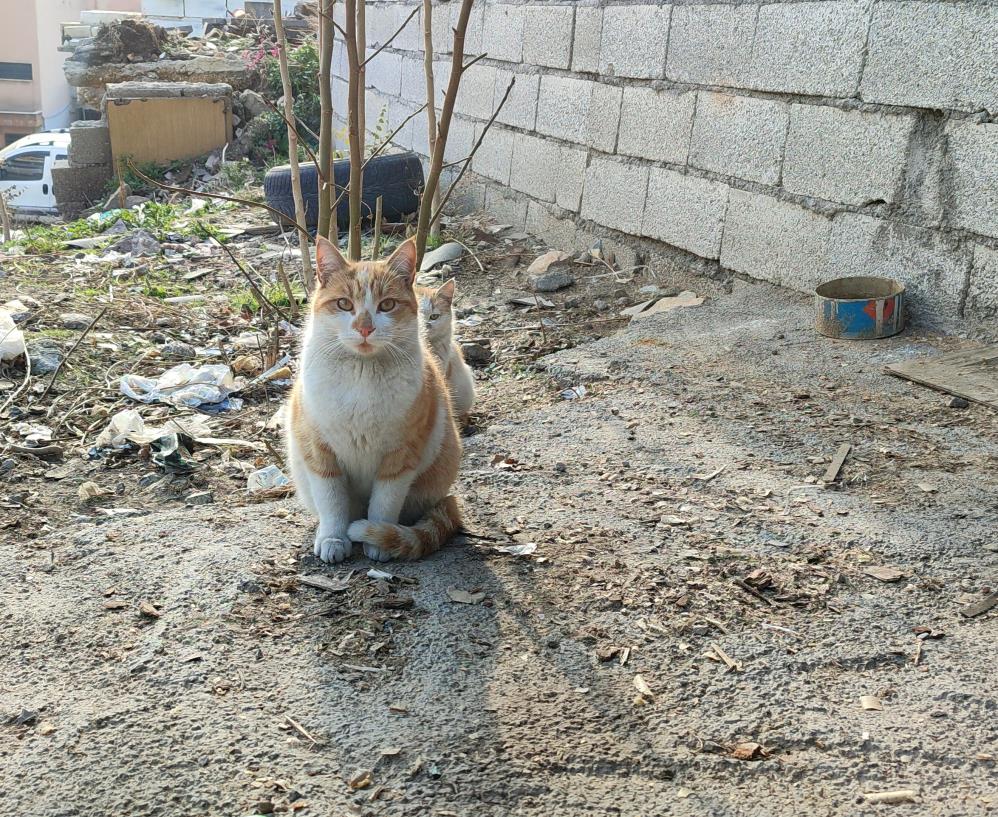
{"type": "Point", "coordinates": [34, 94]}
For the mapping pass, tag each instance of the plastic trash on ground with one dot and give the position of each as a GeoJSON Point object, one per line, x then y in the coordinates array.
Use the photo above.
{"type": "Point", "coordinates": [127, 426]}
{"type": "Point", "coordinates": [11, 338]}
{"type": "Point", "coordinates": [267, 479]}
{"type": "Point", "coordinates": [206, 387]}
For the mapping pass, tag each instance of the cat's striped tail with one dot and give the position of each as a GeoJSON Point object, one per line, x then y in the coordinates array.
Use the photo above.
{"type": "Point", "coordinates": [427, 536]}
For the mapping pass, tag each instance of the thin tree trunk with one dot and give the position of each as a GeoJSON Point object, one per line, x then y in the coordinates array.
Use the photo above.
{"type": "Point", "coordinates": [5, 218]}
{"type": "Point", "coordinates": [354, 99]}
{"type": "Point", "coordinates": [437, 161]}
{"type": "Point", "coordinates": [289, 114]}
{"type": "Point", "coordinates": [327, 188]}
{"type": "Point", "coordinates": [362, 85]}
{"type": "Point", "coordinates": [431, 104]}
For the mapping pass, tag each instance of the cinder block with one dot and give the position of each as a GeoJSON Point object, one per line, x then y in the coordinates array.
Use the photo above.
{"type": "Point", "coordinates": [685, 211]}
{"type": "Point", "coordinates": [633, 41]}
{"type": "Point", "coordinates": [163, 8]}
{"type": "Point", "coordinates": [78, 32]}
{"type": "Point", "coordinates": [341, 93]}
{"type": "Point", "coordinates": [90, 143]}
{"type": "Point", "coordinates": [414, 80]}
{"type": "Point", "coordinates": [933, 55]}
{"type": "Point", "coordinates": [502, 32]}
{"type": "Point", "coordinates": [614, 194]}
{"type": "Point", "coordinates": [520, 109]}
{"type": "Point", "coordinates": [468, 196]}
{"type": "Point", "coordinates": [982, 297]}
{"type": "Point", "coordinates": [76, 184]}
{"type": "Point", "coordinates": [380, 22]}
{"type": "Point", "coordinates": [411, 37]}
{"type": "Point", "coordinates": [506, 207]}
{"type": "Point", "coordinates": [460, 138]}
{"type": "Point", "coordinates": [711, 45]}
{"type": "Point", "coordinates": [547, 170]}
{"type": "Point", "coordinates": [204, 8]}
{"type": "Point", "coordinates": [846, 156]}
{"type": "Point", "coordinates": [384, 72]}
{"type": "Point", "coordinates": [972, 153]}
{"type": "Point", "coordinates": [739, 136]}
{"type": "Point", "coordinates": [543, 223]}
{"type": "Point", "coordinates": [494, 158]}
{"type": "Point", "coordinates": [932, 266]}
{"type": "Point", "coordinates": [443, 37]}
{"type": "Point", "coordinates": [774, 241]}
{"type": "Point", "coordinates": [547, 36]}
{"type": "Point", "coordinates": [656, 124]}
{"type": "Point", "coordinates": [579, 110]}
{"type": "Point", "coordinates": [587, 39]}
{"type": "Point", "coordinates": [476, 93]}
{"type": "Point", "coordinates": [810, 48]}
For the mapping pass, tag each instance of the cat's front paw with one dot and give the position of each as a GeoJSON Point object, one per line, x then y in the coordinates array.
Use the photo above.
{"type": "Point", "coordinates": [376, 554]}
{"type": "Point", "coordinates": [332, 548]}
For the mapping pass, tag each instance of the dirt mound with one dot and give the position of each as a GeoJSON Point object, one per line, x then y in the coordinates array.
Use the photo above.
{"type": "Point", "coordinates": [128, 41]}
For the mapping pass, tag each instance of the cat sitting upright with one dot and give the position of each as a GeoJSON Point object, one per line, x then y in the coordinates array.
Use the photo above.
{"type": "Point", "coordinates": [371, 440]}
{"type": "Point", "coordinates": [436, 307]}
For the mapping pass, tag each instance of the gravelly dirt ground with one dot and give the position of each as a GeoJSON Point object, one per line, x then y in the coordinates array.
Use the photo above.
{"type": "Point", "coordinates": [587, 681]}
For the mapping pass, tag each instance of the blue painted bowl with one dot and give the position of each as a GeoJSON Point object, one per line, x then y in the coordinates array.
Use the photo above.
{"type": "Point", "coordinates": [860, 308]}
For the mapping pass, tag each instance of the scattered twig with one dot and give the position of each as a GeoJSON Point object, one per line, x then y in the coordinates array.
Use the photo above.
{"type": "Point", "coordinates": [376, 242]}
{"type": "Point", "coordinates": [732, 665]}
{"type": "Point", "coordinates": [282, 276]}
{"type": "Point", "coordinates": [301, 730]}
{"type": "Point", "coordinates": [832, 473]}
{"type": "Point", "coordinates": [72, 349]}
{"type": "Point", "coordinates": [743, 585]}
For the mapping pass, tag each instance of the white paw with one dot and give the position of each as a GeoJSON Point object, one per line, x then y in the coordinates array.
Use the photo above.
{"type": "Point", "coordinates": [376, 554]}
{"type": "Point", "coordinates": [332, 548]}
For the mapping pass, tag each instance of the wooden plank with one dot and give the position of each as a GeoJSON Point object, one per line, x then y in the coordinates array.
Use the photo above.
{"type": "Point", "coordinates": [836, 464]}
{"type": "Point", "coordinates": [971, 374]}
{"type": "Point", "coordinates": [163, 129]}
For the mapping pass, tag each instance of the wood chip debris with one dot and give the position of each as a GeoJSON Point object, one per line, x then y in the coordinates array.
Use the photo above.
{"type": "Point", "coordinates": [730, 663]}
{"type": "Point", "coordinates": [464, 597]}
{"type": "Point", "coordinates": [979, 607]}
{"type": "Point", "coordinates": [332, 584]}
{"type": "Point", "coordinates": [884, 573]}
{"type": "Point", "coordinates": [748, 750]}
{"type": "Point", "coordinates": [645, 693]}
{"type": "Point", "coordinates": [897, 796]}
{"type": "Point", "coordinates": [361, 780]}
{"type": "Point", "coordinates": [148, 610]}
{"type": "Point", "coordinates": [870, 702]}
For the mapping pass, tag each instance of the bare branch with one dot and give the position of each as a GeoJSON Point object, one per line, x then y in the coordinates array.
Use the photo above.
{"type": "Point", "coordinates": [431, 110]}
{"type": "Point", "coordinates": [475, 148]}
{"type": "Point", "coordinates": [472, 62]}
{"type": "Point", "coordinates": [354, 98]}
{"type": "Point", "coordinates": [388, 42]}
{"type": "Point", "coordinates": [325, 164]}
{"type": "Point", "coordinates": [282, 57]}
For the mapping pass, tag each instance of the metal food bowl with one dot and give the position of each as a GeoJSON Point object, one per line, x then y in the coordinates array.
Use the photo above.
{"type": "Point", "coordinates": [859, 308]}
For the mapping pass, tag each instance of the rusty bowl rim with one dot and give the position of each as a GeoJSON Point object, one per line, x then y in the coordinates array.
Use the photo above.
{"type": "Point", "coordinates": [899, 288]}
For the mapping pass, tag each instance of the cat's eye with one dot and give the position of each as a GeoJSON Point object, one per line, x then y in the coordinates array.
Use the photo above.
{"type": "Point", "coordinates": [387, 305]}
{"type": "Point", "coordinates": [434, 317]}
{"type": "Point", "coordinates": [344, 304]}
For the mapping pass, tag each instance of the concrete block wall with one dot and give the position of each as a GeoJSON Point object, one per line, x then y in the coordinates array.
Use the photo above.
{"type": "Point", "coordinates": [789, 141]}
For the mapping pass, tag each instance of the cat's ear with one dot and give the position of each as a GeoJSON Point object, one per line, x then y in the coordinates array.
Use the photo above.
{"type": "Point", "coordinates": [446, 291]}
{"type": "Point", "coordinates": [403, 260]}
{"type": "Point", "coordinates": [329, 261]}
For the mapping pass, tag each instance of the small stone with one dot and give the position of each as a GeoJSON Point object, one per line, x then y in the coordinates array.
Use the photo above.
{"type": "Point", "coordinates": [263, 807]}
{"type": "Point", "coordinates": [476, 353]}
{"type": "Point", "coordinates": [200, 498]}
{"type": "Point", "coordinates": [74, 320]}
{"type": "Point", "coordinates": [560, 467]}
{"type": "Point", "coordinates": [45, 355]}
{"type": "Point", "coordinates": [574, 302]}
{"type": "Point", "coordinates": [600, 305]}
{"type": "Point", "coordinates": [7, 466]}
{"type": "Point", "coordinates": [253, 104]}
{"type": "Point", "coordinates": [178, 350]}
{"type": "Point", "coordinates": [552, 280]}
{"type": "Point", "coordinates": [958, 403]}
{"type": "Point", "coordinates": [140, 242]}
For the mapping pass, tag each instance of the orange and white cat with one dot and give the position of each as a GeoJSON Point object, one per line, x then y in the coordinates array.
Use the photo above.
{"type": "Point", "coordinates": [436, 307]}
{"type": "Point", "coordinates": [371, 440]}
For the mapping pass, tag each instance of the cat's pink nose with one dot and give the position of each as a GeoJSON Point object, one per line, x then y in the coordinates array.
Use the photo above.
{"type": "Point", "coordinates": [365, 331]}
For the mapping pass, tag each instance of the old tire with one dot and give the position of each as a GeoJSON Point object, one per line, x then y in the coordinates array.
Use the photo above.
{"type": "Point", "coordinates": [397, 178]}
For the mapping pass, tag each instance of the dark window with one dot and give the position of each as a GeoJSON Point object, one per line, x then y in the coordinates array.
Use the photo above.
{"type": "Point", "coordinates": [15, 70]}
{"type": "Point", "coordinates": [10, 138]}
{"type": "Point", "coordinates": [25, 167]}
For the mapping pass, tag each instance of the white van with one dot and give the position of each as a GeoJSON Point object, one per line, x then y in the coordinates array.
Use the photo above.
{"type": "Point", "coordinates": [26, 172]}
